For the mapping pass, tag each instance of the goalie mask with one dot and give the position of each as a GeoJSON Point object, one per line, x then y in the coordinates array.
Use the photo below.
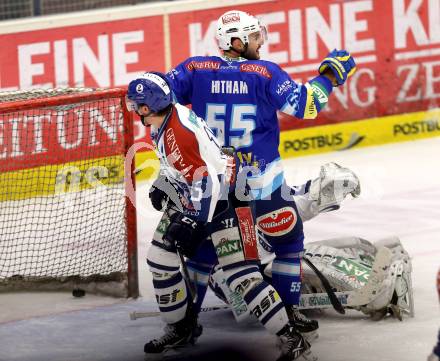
{"type": "Point", "coordinates": [152, 90]}
{"type": "Point", "coordinates": [237, 24]}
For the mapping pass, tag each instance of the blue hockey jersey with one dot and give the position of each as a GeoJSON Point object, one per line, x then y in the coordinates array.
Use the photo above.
{"type": "Point", "coordinates": [239, 100]}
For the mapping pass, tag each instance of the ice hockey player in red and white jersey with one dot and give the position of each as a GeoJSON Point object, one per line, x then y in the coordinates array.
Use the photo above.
{"type": "Point", "coordinates": [213, 204]}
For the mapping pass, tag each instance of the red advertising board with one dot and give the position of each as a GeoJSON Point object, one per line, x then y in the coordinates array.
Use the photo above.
{"type": "Point", "coordinates": [396, 44]}
{"type": "Point", "coordinates": [105, 54]}
{"type": "Point", "coordinates": [38, 137]}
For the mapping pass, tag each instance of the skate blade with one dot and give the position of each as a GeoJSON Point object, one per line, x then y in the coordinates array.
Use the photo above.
{"type": "Point", "coordinates": [172, 353]}
{"type": "Point", "coordinates": [307, 356]}
{"type": "Point", "coordinates": [310, 336]}
{"type": "Point", "coordinates": [154, 356]}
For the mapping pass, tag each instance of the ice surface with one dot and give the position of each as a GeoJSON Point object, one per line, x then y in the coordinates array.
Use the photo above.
{"type": "Point", "coordinates": [400, 196]}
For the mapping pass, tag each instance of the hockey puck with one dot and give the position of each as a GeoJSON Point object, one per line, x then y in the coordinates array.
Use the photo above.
{"type": "Point", "coordinates": [78, 292]}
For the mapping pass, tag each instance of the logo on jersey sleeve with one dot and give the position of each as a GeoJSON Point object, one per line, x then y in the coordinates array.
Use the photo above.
{"type": "Point", "coordinates": [255, 68]}
{"type": "Point", "coordinates": [285, 86]}
{"type": "Point", "coordinates": [203, 65]}
{"type": "Point", "coordinates": [277, 223]}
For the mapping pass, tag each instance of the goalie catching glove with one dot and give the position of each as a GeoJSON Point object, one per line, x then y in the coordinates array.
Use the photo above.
{"type": "Point", "coordinates": [333, 185]}
{"type": "Point", "coordinates": [341, 64]}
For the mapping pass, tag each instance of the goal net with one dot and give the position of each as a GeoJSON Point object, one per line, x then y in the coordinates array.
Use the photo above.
{"type": "Point", "coordinates": [66, 221]}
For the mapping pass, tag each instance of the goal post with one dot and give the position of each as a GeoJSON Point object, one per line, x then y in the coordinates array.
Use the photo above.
{"type": "Point", "coordinates": [65, 216]}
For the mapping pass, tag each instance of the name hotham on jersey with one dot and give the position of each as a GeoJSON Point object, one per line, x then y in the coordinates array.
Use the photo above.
{"type": "Point", "coordinates": [229, 87]}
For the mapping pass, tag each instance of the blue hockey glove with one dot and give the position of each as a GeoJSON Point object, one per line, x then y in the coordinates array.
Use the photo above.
{"type": "Point", "coordinates": [341, 63]}
{"type": "Point", "coordinates": [185, 233]}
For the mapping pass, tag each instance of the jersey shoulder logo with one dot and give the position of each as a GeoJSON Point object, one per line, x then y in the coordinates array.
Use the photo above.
{"type": "Point", "coordinates": [256, 68]}
{"type": "Point", "coordinates": [203, 65]}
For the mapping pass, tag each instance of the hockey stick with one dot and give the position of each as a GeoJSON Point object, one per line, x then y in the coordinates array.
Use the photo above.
{"type": "Point", "coordinates": [328, 288]}
{"type": "Point", "coordinates": [307, 301]}
{"type": "Point", "coordinates": [189, 284]}
{"type": "Point", "coordinates": [139, 314]}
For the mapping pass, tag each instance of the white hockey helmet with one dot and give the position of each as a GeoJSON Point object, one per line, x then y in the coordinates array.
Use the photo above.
{"type": "Point", "coordinates": [237, 24]}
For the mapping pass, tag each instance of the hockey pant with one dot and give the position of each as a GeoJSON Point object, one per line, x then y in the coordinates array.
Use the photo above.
{"type": "Point", "coordinates": [281, 228]}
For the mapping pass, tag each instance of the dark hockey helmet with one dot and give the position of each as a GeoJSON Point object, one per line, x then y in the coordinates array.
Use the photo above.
{"type": "Point", "coordinates": [151, 89]}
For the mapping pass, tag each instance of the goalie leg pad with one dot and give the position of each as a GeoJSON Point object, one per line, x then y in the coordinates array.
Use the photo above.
{"type": "Point", "coordinates": [377, 276]}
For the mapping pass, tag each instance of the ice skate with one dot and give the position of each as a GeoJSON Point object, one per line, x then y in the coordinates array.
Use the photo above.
{"type": "Point", "coordinates": [294, 346]}
{"type": "Point", "coordinates": [306, 327]}
{"type": "Point", "coordinates": [177, 335]}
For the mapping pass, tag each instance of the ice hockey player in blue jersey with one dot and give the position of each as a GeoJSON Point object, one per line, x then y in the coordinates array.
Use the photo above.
{"type": "Point", "coordinates": [239, 96]}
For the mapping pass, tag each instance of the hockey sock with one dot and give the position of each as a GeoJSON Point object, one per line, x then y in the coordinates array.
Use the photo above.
{"type": "Point", "coordinates": [286, 278]}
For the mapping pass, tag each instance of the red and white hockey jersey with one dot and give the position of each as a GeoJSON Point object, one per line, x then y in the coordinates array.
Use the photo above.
{"type": "Point", "coordinates": [192, 160]}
